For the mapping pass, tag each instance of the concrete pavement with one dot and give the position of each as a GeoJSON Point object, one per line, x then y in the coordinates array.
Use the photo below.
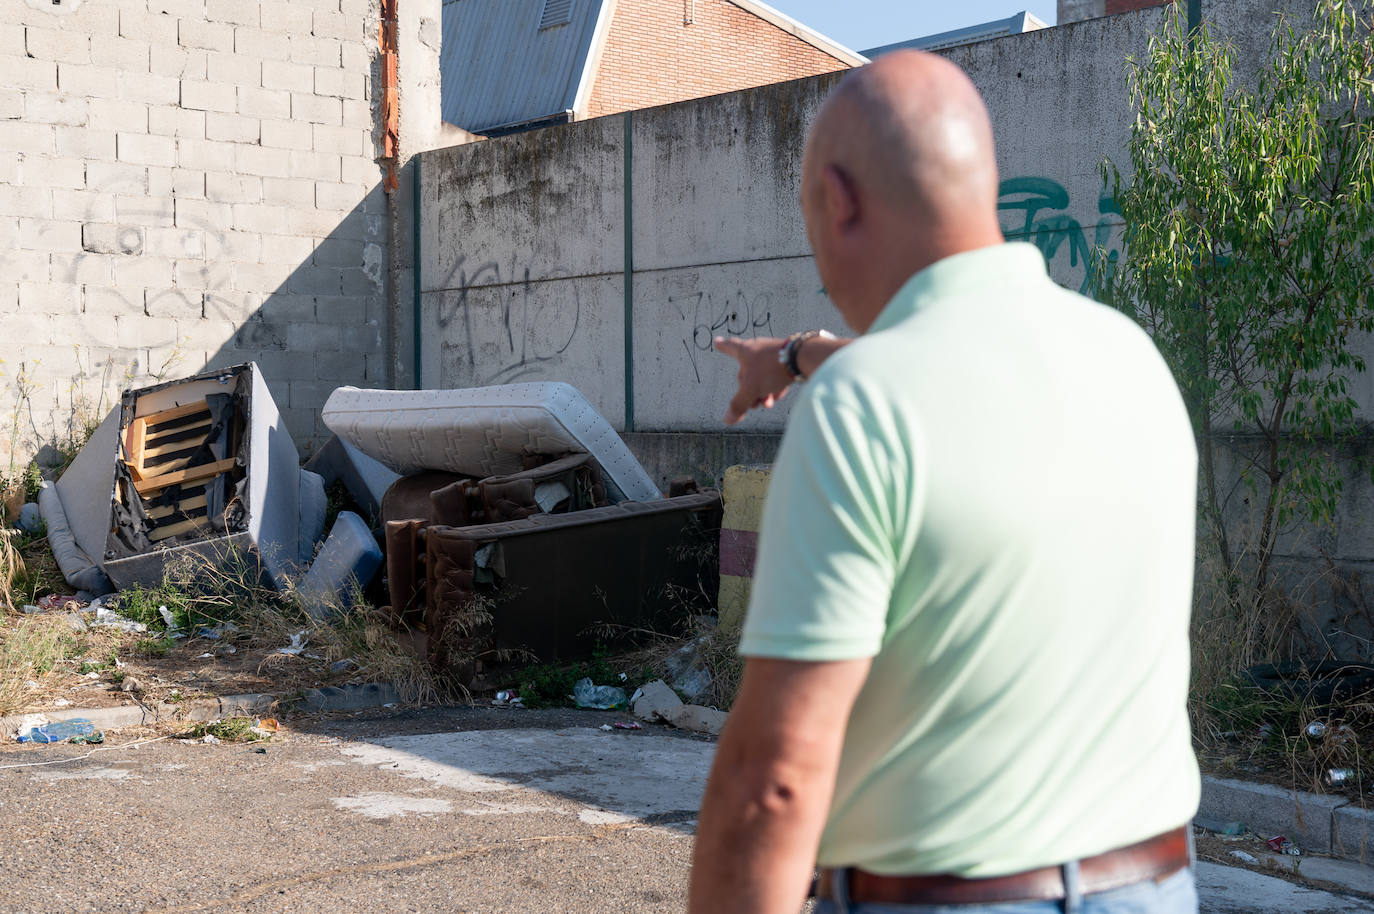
{"type": "Point", "coordinates": [472, 810]}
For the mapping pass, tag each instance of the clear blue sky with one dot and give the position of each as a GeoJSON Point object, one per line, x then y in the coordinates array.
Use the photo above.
{"type": "Point", "coordinates": [861, 24]}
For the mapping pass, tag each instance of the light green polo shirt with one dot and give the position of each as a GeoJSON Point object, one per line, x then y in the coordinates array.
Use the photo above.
{"type": "Point", "coordinates": [991, 494]}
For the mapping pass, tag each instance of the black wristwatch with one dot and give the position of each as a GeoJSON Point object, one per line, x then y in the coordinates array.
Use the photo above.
{"type": "Point", "coordinates": [791, 347]}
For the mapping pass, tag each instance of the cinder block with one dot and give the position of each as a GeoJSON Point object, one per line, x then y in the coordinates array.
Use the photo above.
{"type": "Point", "coordinates": [322, 166]}
{"type": "Point", "coordinates": [363, 338]}
{"type": "Point", "coordinates": [263, 162]}
{"type": "Point", "coordinates": [206, 334]}
{"type": "Point", "coordinates": [357, 57]}
{"type": "Point", "coordinates": [138, 331]}
{"type": "Point", "coordinates": [336, 25]}
{"type": "Point", "coordinates": [293, 192]}
{"type": "Point", "coordinates": [292, 250]}
{"type": "Point", "coordinates": [208, 96]}
{"type": "Point", "coordinates": [27, 73]}
{"type": "Point", "coordinates": [292, 77]}
{"type": "Point", "coordinates": [113, 301]}
{"type": "Point", "coordinates": [263, 44]}
{"type": "Point", "coordinates": [284, 307]}
{"type": "Point", "coordinates": [359, 115]}
{"type": "Point", "coordinates": [9, 297]}
{"type": "Point", "coordinates": [182, 63]}
{"type": "Point", "coordinates": [339, 254]}
{"type": "Point", "coordinates": [52, 108]}
{"type": "Point", "coordinates": [233, 188]}
{"type": "Point", "coordinates": [290, 19]}
{"type": "Point", "coordinates": [178, 122]}
{"type": "Point", "coordinates": [210, 36]}
{"type": "Point", "coordinates": [339, 83]}
{"type": "Point", "coordinates": [152, 88]}
{"type": "Point", "coordinates": [337, 196]}
{"type": "Point", "coordinates": [698, 719]}
{"type": "Point", "coordinates": [361, 170]}
{"type": "Point", "coordinates": [260, 277]}
{"type": "Point", "coordinates": [81, 269]}
{"type": "Point", "coordinates": [29, 328]}
{"type": "Point", "coordinates": [320, 222]}
{"type": "Point", "coordinates": [1305, 818]}
{"type": "Point", "coordinates": [42, 171]}
{"type": "Point", "coordinates": [146, 211]}
{"type": "Point", "coordinates": [80, 327]}
{"type": "Point", "coordinates": [316, 110]}
{"type": "Point", "coordinates": [49, 235]}
{"type": "Point", "coordinates": [264, 103]}
{"type": "Point", "coordinates": [312, 337]}
{"type": "Point", "coordinates": [242, 247]}
{"type": "Point", "coordinates": [232, 68]}
{"type": "Point", "coordinates": [112, 239]}
{"type": "Point", "coordinates": [26, 266]}
{"type": "Point", "coordinates": [232, 128]}
{"type": "Point", "coordinates": [11, 104]}
{"type": "Point", "coordinates": [261, 335]}
{"type": "Point", "coordinates": [144, 26]}
{"type": "Point", "coordinates": [119, 115]}
{"type": "Point", "coordinates": [66, 46]}
{"type": "Point", "coordinates": [146, 149]}
{"type": "Point", "coordinates": [238, 12]}
{"type": "Point", "coordinates": [27, 138]}
{"type": "Point", "coordinates": [319, 52]}
{"type": "Point", "coordinates": [49, 298]}
{"type": "Point", "coordinates": [287, 134]}
{"type": "Point", "coordinates": [200, 274]}
{"type": "Point", "coordinates": [145, 271]}
{"type": "Point", "coordinates": [82, 206]}
{"type": "Point", "coordinates": [204, 155]}
{"type": "Point", "coordinates": [258, 217]}
{"type": "Point", "coordinates": [85, 143]}
{"type": "Point", "coordinates": [231, 306]}
{"type": "Point", "coordinates": [115, 178]}
{"type": "Point", "coordinates": [123, 54]}
{"type": "Point", "coordinates": [174, 242]}
{"type": "Point", "coordinates": [313, 280]}
{"type": "Point", "coordinates": [171, 302]}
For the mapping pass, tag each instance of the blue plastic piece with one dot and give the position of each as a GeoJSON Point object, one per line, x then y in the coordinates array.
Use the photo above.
{"type": "Point", "coordinates": [58, 731]}
{"type": "Point", "coordinates": [347, 563]}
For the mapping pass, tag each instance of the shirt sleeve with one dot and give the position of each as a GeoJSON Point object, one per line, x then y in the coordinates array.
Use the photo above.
{"type": "Point", "coordinates": [826, 560]}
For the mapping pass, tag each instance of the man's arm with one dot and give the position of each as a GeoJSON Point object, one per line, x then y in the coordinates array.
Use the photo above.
{"type": "Point", "coordinates": [771, 785]}
{"type": "Point", "coordinates": [762, 381]}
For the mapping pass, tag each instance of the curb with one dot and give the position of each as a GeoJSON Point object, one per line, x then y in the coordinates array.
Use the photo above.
{"type": "Point", "coordinates": [329, 698]}
{"type": "Point", "coordinates": [1320, 824]}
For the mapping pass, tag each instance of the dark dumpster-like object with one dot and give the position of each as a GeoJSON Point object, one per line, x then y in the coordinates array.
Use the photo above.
{"type": "Point", "coordinates": [554, 586]}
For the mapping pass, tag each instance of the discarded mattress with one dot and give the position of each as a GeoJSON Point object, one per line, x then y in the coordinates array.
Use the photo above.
{"type": "Point", "coordinates": [484, 431]}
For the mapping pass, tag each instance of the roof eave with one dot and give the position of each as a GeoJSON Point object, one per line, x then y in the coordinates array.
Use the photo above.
{"type": "Point", "coordinates": [797, 30]}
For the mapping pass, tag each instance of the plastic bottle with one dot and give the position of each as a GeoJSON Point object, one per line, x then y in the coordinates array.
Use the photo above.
{"type": "Point", "coordinates": [58, 731]}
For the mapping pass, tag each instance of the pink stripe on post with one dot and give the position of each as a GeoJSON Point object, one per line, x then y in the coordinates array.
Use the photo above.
{"type": "Point", "coordinates": [738, 549]}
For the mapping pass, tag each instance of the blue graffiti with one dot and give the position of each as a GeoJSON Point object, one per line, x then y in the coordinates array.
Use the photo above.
{"type": "Point", "coordinates": [1046, 225]}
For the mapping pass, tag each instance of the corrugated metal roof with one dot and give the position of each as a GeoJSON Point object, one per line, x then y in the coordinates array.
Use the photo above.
{"type": "Point", "coordinates": [998, 28]}
{"type": "Point", "coordinates": [500, 68]}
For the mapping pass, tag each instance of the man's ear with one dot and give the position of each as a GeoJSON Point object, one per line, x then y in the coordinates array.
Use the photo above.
{"type": "Point", "coordinates": [841, 203]}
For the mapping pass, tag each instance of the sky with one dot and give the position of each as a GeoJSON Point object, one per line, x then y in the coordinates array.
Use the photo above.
{"type": "Point", "coordinates": [862, 24]}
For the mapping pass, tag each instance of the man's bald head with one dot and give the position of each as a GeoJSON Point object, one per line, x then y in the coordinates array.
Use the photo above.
{"type": "Point", "coordinates": [908, 138]}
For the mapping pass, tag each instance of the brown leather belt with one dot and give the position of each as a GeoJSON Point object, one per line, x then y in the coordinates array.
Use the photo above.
{"type": "Point", "coordinates": [1155, 858]}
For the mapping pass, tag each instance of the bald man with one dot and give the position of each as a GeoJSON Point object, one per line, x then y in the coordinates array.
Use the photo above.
{"type": "Point", "coordinates": [966, 649]}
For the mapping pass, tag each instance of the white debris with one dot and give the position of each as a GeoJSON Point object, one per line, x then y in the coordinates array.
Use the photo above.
{"type": "Point", "coordinates": [1243, 857]}
{"type": "Point", "coordinates": [296, 646]}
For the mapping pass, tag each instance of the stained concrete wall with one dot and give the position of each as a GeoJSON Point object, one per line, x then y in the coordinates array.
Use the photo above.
{"type": "Point", "coordinates": [524, 238]}
{"type": "Point", "coordinates": [187, 183]}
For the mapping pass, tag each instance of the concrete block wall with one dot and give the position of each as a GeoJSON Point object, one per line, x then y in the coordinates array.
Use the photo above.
{"type": "Point", "coordinates": [187, 183]}
{"type": "Point", "coordinates": [657, 53]}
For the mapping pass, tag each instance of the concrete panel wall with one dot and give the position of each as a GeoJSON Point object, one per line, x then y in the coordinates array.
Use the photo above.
{"type": "Point", "coordinates": [187, 183]}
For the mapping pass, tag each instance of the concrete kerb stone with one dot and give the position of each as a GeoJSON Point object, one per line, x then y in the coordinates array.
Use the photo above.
{"type": "Point", "coordinates": [329, 698]}
{"type": "Point", "coordinates": [1318, 824]}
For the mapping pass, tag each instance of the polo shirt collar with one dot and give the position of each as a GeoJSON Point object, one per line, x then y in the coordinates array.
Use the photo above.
{"type": "Point", "coordinates": [971, 271]}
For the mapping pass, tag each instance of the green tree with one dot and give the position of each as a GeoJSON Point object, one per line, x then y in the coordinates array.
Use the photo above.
{"type": "Point", "coordinates": [1249, 257]}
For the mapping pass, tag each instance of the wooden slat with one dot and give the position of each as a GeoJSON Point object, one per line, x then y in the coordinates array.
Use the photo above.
{"type": "Point", "coordinates": [186, 526]}
{"type": "Point", "coordinates": [187, 504]}
{"type": "Point", "coordinates": [152, 445]}
{"type": "Point", "coordinates": [204, 471]}
{"type": "Point", "coordinates": [176, 412]}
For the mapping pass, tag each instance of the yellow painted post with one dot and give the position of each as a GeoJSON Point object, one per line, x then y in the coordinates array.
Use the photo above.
{"type": "Point", "coordinates": [743, 493]}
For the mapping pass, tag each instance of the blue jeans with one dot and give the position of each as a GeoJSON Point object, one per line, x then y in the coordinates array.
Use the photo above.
{"type": "Point", "coordinates": [1175, 895]}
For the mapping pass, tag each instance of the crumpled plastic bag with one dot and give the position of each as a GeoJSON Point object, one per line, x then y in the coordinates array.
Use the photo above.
{"type": "Point", "coordinates": [602, 698]}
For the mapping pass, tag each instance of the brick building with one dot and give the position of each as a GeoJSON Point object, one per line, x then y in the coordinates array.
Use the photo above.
{"type": "Point", "coordinates": [514, 64]}
{"type": "Point", "coordinates": [1078, 10]}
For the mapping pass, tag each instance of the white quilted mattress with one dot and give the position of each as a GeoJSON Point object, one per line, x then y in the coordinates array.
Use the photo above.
{"type": "Point", "coordinates": [483, 431]}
